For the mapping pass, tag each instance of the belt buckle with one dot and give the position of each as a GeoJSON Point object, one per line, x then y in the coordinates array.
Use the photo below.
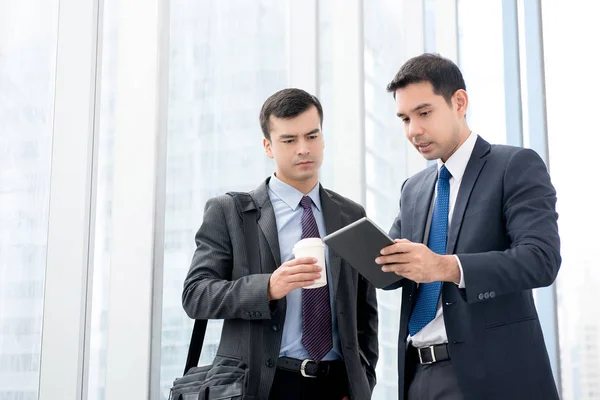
{"type": "Point", "coordinates": [432, 355]}
{"type": "Point", "coordinates": [303, 369]}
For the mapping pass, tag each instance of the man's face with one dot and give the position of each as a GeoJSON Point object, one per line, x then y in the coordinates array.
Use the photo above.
{"type": "Point", "coordinates": [296, 145]}
{"type": "Point", "coordinates": [431, 124]}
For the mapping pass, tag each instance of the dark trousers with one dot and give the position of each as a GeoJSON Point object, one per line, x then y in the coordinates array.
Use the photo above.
{"type": "Point", "coordinates": [435, 381]}
{"type": "Point", "coordinates": [289, 385]}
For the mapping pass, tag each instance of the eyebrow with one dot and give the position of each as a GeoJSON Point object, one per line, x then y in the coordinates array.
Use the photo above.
{"type": "Point", "coordinates": [417, 108]}
{"type": "Point", "coordinates": [292, 136]}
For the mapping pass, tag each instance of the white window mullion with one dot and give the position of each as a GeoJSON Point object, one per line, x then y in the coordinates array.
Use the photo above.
{"type": "Point", "coordinates": [65, 294]}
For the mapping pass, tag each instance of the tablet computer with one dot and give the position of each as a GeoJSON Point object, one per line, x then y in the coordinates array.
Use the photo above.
{"type": "Point", "coordinates": [359, 244]}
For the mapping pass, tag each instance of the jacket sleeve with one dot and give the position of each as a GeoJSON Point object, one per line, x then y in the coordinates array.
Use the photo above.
{"type": "Point", "coordinates": [396, 233]}
{"type": "Point", "coordinates": [367, 322]}
{"type": "Point", "coordinates": [396, 230]}
{"type": "Point", "coordinates": [209, 292]}
{"type": "Point", "coordinates": [533, 258]}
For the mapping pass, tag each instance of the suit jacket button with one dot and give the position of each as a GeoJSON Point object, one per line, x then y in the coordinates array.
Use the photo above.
{"type": "Point", "coordinates": [486, 295]}
{"type": "Point", "coordinates": [492, 294]}
{"type": "Point", "coordinates": [275, 328]}
{"type": "Point", "coordinates": [269, 363]}
{"type": "Point", "coordinates": [480, 297]}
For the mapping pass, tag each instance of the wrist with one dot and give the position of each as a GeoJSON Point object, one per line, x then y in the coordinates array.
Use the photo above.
{"type": "Point", "coordinates": [450, 270]}
{"type": "Point", "coordinates": [269, 293]}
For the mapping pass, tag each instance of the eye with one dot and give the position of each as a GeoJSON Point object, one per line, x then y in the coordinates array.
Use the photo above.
{"type": "Point", "coordinates": [311, 137]}
{"type": "Point", "coordinates": [288, 141]}
{"type": "Point", "coordinates": [425, 113]}
{"type": "Point", "coordinates": [405, 120]}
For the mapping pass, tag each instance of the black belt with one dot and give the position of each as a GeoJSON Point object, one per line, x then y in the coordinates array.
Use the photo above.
{"type": "Point", "coordinates": [430, 354]}
{"type": "Point", "coordinates": [308, 368]}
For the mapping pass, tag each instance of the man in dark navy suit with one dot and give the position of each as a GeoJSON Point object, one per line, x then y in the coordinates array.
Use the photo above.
{"type": "Point", "coordinates": [475, 234]}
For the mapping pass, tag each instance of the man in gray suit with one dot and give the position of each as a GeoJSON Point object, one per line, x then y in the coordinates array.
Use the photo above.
{"type": "Point", "coordinates": [475, 234]}
{"type": "Point", "coordinates": [329, 353]}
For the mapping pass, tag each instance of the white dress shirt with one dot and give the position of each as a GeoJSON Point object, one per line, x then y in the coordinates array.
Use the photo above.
{"type": "Point", "coordinates": [435, 331]}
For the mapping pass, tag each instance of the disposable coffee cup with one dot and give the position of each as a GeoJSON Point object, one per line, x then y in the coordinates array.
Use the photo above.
{"type": "Point", "coordinates": [315, 248]}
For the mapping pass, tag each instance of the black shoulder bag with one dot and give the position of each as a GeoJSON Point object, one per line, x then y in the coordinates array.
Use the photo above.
{"type": "Point", "coordinates": [229, 379]}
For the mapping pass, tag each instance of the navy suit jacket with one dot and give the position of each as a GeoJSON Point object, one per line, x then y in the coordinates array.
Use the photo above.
{"type": "Point", "coordinates": [504, 231]}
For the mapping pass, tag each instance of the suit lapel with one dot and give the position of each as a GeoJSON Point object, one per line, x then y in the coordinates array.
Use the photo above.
{"type": "Point", "coordinates": [422, 204]}
{"type": "Point", "coordinates": [332, 214]}
{"type": "Point", "coordinates": [267, 222]}
{"type": "Point", "coordinates": [476, 163]}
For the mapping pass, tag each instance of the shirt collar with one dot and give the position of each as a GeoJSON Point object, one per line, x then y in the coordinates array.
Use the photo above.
{"type": "Point", "coordinates": [457, 163]}
{"type": "Point", "coordinates": [292, 196]}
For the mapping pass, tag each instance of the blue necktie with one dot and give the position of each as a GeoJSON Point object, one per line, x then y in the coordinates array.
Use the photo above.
{"type": "Point", "coordinates": [428, 294]}
{"type": "Point", "coordinates": [317, 337]}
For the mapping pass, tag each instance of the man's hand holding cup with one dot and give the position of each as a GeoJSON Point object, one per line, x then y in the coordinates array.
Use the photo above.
{"type": "Point", "coordinates": [304, 271]}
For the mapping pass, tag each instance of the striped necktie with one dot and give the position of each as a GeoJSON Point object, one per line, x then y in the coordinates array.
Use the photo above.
{"type": "Point", "coordinates": [316, 310]}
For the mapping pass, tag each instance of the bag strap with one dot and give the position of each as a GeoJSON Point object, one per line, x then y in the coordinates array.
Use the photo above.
{"type": "Point", "coordinates": [196, 342]}
{"type": "Point", "coordinates": [250, 214]}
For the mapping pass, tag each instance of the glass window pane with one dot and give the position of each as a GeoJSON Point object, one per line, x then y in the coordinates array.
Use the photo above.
{"type": "Point", "coordinates": [385, 163]}
{"type": "Point", "coordinates": [429, 28]}
{"type": "Point", "coordinates": [219, 78]}
{"type": "Point", "coordinates": [28, 40]}
{"type": "Point", "coordinates": [325, 88]}
{"type": "Point", "coordinates": [482, 64]}
{"type": "Point", "coordinates": [572, 91]}
{"type": "Point", "coordinates": [385, 144]}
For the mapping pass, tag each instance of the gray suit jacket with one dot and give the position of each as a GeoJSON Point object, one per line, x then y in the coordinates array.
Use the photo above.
{"type": "Point", "coordinates": [504, 231]}
{"type": "Point", "coordinates": [218, 286]}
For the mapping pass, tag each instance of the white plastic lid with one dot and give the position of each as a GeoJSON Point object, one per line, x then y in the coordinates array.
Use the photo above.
{"type": "Point", "coordinates": [309, 242]}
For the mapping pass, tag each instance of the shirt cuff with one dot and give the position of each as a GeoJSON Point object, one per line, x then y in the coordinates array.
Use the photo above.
{"type": "Point", "coordinates": [461, 284]}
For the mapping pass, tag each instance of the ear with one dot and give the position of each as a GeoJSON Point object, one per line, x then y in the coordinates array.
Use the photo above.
{"type": "Point", "coordinates": [461, 101]}
{"type": "Point", "coordinates": [268, 147]}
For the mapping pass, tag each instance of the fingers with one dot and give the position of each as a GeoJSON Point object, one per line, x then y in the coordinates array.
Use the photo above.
{"type": "Point", "coordinates": [299, 261]}
{"type": "Point", "coordinates": [285, 279]}
{"type": "Point", "coordinates": [401, 258]}
{"type": "Point", "coordinates": [302, 268]}
{"type": "Point", "coordinates": [299, 273]}
{"type": "Point", "coordinates": [399, 246]}
{"type": "Point", "coordinates": [388, 249]}
{"type": "Point", "coordinates": [399, 269]}
{"type": "Point", "coordinates": [301, 284]}
{"type": "Point", "coordinates": [298, 282]}
{"type": "Point", "coordinates": [303, 277]}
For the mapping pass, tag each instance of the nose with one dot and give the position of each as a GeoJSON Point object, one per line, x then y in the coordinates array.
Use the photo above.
{"type": "Point", "coordinates": [303, 148]}
{"type": "Point", "coordinates": [413, 129]}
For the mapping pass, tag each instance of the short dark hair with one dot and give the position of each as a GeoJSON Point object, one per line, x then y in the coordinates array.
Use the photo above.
{"type": "Point", "coordinates": [442, 73]}
{"type": "Point", "coordinates": [287, 104]}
